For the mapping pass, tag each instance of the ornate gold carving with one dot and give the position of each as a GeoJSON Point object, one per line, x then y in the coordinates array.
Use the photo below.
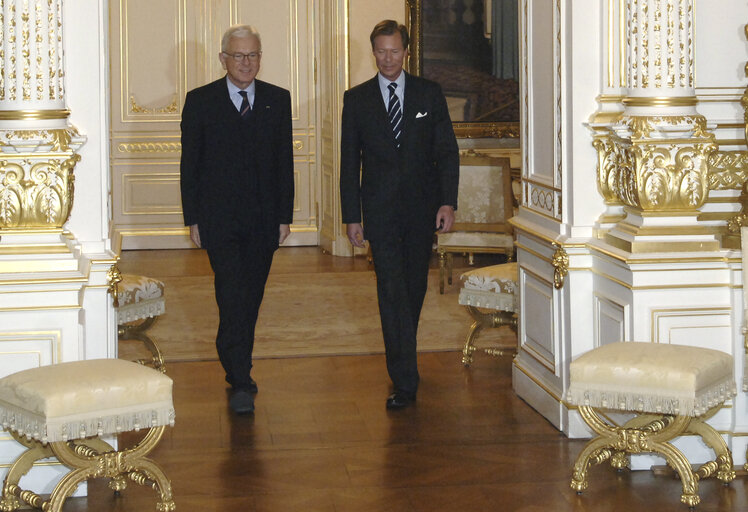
{"type": "Point", "coordinates": [46, 140]}
{"type": "Point", "coordinates": [88, 458]}
{"type": "Point", "coordinates": [114, 277]}
{"type": "Point", "coordinates": [39, 40]}
{"type": "Point", "coordinates": [608, 162]}
{"type": "Point", "coordinates": [149, 147]}
{"type": "Point", "coordinates": [656, 27]}
{"type": "Point", "coordinates": [171, 108]}
{"type": "Point", "coordinates": [36, 194]}
{"type": "Point", "coordinates": [560, 264]}
{"type": "Point", "coordinates": [727, 169]}
{"type": "Point", "coordinates": [645, 168]}
{"type": "Point", "coordinates": [25, 52]}
{"type": "Point", "coordinates": [651, 433]}
{"type": "Point", "coordinates": [12, 50]}
{"type": "Point", "coordinates": [298, 145]}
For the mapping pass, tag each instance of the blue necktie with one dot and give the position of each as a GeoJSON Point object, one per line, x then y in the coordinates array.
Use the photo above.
{"type": "Point", "coordinates": [394, 113]}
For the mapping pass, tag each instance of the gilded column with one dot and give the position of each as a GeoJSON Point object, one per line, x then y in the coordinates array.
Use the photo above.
{"type": "Point", "coordinates": [38, 146]}
{"type": "Point", "coordinates": [656, 154]}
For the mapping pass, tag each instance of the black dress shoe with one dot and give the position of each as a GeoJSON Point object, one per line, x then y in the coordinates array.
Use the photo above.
{"type": "Point", "coordinates": [399, 400]}
{"type": "Point", "coordinates": [242, 402]}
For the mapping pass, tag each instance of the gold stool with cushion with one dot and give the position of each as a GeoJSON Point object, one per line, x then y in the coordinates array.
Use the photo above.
{"type": "Point", "coordinates": [62, 410]}
{"type": "Point", "coordinates": [494, 289]}
{"type": "Point", "coordinates": [139, 301]}
{"type": "Point", "coordinates": [673, 389]}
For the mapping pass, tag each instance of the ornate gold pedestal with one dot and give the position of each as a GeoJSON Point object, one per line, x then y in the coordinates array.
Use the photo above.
{"type": "Point", "coordinates": [87, 458]}
{"type": "Point", "coordinates": [652, 433]}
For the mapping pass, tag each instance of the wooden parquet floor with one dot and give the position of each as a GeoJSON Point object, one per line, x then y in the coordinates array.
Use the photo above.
{"type": "Point", "coordinates": [321, 440]}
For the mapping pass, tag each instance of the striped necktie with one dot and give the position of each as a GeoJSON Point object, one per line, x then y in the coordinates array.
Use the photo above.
{"type": "Point", "coordinates": [395, 114]}
{"type": "Point", "coordinates": [244, 108]}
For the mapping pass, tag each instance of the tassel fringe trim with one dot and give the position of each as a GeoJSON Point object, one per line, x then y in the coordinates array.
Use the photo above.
{"type": "Point", "coordinates": [67, 428]}
{"type": "Point", "coordinates": [687, 404]}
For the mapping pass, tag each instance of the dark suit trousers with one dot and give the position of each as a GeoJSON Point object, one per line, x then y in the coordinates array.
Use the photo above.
{"type": "Point", "coordinates": [241, 266]}
{"type": "Point", "coordinates": [401, 263]}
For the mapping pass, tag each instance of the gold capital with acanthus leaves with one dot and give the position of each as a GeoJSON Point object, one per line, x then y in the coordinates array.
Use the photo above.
{"type": "Point", "coordinates": [655, 163]}
{"type": "Point", "coordinates": [36, 177]}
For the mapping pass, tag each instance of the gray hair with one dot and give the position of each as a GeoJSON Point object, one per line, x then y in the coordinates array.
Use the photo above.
{"type": "Point", "coordinates": [239, 31]}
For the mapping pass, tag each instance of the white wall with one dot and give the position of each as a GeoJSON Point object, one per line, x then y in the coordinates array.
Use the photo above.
{"type": "Point", "coordinates": [363, 15]}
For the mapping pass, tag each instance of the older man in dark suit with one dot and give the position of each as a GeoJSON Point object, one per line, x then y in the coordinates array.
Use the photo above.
{"type": "Point", "coordinates": [398, 183]}
{"type": "Point", "coordinates": [237, 193]}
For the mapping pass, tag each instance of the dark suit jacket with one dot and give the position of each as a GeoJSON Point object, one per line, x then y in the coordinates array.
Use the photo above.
{"type": "Point", "coordinates": [232, 177]}
{"type": "Point", "coordinates": [382, 185]}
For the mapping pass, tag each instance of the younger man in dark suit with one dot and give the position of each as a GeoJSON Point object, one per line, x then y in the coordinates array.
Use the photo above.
{"type": "Point", "coordinates": [237, 193]}
{"type": "Point", "coordinates": [399, 171]}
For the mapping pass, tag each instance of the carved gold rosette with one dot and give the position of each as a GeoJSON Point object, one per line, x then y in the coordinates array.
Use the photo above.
{"type": "Point", "coordinates": [655, 163]}
{"type": "Point", "coordinates": [36, 177]}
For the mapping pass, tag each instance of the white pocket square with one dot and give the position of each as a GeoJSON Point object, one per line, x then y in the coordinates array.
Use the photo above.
{"type": "Point", "coordinates": [421, 114]}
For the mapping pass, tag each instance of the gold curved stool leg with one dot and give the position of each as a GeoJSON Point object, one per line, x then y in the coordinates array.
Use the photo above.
{"type": "Point", "coordinates": [442, 264]}
{"type": "Point", "coordinates": [130, 462]}
{"type": "Point", "coordinates": [88, 458]}
{"type": "Point", "coordinates": [34, 451]}
{"type": "Point", "coordinates": [138, 332]}
{"type": "Point", "coordinates": [650, 438]}
{"type": "Point", "coordinates": [721, 467]}
{"type": "Point", "coordinates": [483, 320]}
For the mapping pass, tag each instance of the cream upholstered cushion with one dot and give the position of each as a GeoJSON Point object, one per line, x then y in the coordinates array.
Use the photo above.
{"type": "Point", "coordinates": [85, 398]}
{"type": "Point", "coordinates": [652, 377]}
{"type": "Point", "coordinates": [475, 239]}
{"type": "Point", "coordinates": [139, 297]}
{"type": "Point", "coordinates": [493, 287]}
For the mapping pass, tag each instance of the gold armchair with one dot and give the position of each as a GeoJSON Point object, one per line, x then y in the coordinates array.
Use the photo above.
{"type": "Point", "coordinates": [484, 207]}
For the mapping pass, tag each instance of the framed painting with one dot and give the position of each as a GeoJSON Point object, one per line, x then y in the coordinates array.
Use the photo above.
{"type": "Point", "coordinates": [471, 48]}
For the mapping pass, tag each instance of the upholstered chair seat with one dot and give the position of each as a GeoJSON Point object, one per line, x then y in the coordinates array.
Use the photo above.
{"type": "Point", "coordinates": [140, 297]}
{"type": "Point", "coordinates": [672, 389]}
{"type": "Point", "coordinates": [62, 411]}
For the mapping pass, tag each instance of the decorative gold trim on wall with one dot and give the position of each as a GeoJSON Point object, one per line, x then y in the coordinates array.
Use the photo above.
{"type": "Point", "coordinates": [560, 264]}
{"type": "Point", "coordinates": [171, 108]}
{"type": "Point", "coordinates": [149, 147]}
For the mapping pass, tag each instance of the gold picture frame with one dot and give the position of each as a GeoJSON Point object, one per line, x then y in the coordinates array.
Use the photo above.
{"type": "Point", "coordinates": [414, 21]}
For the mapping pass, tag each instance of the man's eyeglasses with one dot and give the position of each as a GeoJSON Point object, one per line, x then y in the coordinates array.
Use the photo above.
{"type": "Point", "coordinates": [239, 57]}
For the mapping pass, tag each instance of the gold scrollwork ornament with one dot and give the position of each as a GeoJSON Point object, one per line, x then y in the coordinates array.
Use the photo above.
{"type": "Point", "coordinates": [36, 193]}
{"type": "Point", "coordinates": [607, 169]}
{"type": "Point", "coordinates": [114, 277]}
{"type": "Point", "coordinates": [560, 264]}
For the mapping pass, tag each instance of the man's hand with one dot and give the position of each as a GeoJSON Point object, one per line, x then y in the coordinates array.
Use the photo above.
{"type": "Point", "coordinates": [195, 235]}
{"type": "Point", "coordinates": [445, 218]}
{"type": "Point", "coordinates": [284, 230]}
{"type": "Point", "coordinates": [355, 234]}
